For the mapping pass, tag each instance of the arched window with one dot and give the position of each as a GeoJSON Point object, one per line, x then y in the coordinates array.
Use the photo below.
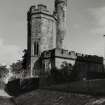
{"type": "Point", "coordinates": [36, 48]}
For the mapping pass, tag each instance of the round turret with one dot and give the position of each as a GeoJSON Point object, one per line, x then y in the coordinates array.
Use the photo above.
{"type": "Point", "coordinates": [60, 10]}
{"type": "Point", "coordinates": [59, 1]}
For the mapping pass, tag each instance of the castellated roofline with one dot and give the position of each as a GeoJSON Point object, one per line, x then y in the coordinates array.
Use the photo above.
{"type": "Point", "coordinates": [39, 8]}
{"type": "Point", "coordinates": [57, 1]}
{"type": "Point", "coordinates": [65, 54]}
{"type": "Point", "coordinates": [60, 1]}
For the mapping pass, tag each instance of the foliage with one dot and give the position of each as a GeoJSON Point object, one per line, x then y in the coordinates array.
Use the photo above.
{"type": "Point", "coordinates": [66, 67]}
{"type": "Point", "coordinates": [19, 67]}
{"type": "Point", "coordinates": [25, 57]}
{"type": "Point", "coordinates": [16, 67]}
{"type": "Point", "coordinates": [3, 72]}
{"type": "Point", "coordinates": [63, 74]}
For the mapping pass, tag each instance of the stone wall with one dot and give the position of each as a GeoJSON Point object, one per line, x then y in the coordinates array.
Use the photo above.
{"type": "Point", "coordinates": [89, 67]}
{"type": "Point", "coordinates": [41, 32]}
{"type": "Point", "coordinates": [78, 66]}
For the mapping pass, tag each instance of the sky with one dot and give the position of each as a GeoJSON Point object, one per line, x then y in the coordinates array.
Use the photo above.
{"type": "Point", "coordinates": [85, 27]}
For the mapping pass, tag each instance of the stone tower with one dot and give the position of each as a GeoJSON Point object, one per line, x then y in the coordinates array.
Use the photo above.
{"type": "Point", "coordinates": [60, 12]}
{"type": "Point", "coordinates": [41, 33]}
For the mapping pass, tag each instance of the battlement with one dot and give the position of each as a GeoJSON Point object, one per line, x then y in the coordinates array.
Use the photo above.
{"type": "Point", "coordinates": [42, 7]}
{"type": "Point", "coordinates": [72, 55]}
{"type": "Point", "coordinates": [90, 58]}
{"type": "Point", "coordinates": [60, 53]}
{"type": "Point", "coordinates": [65, 53]}
{"type": "Point", "coordinates": [58, 1]}
{"type": "Point", "coordinates": [39, 8]}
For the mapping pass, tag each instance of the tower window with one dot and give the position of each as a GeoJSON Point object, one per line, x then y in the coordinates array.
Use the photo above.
{"type": "Point", "coordinates": [36, 48]}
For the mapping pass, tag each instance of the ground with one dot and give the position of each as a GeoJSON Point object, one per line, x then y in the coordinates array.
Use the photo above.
{"type": "Point", "coordinates": [6, 101]}
{"type": "Point", "coordinates": [48, 97]}
{"type": "Point", "coordinates": [64, 94]}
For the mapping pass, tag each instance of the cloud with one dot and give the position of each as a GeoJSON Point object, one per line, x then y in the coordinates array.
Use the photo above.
{"type": "Point", "coordinates": [98, 15]}
{"type": "Point", "coordinates": [98, 31]}
{"type": "Point", "coordinates": [9, 53]}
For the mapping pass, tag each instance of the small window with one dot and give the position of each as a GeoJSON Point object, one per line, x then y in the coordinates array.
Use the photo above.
{"type": "Point", "coordinates": [36, 48]}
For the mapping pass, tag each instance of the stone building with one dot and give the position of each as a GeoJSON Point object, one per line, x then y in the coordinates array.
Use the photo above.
{"type": "Point", "coordinates": [45, 30]}
{"type": "Point", "coordinates": [41, 32]}
{"type": "Point", "coordinates": [46, 33]}
{"type": "Point", "coordinates": [80, 66]}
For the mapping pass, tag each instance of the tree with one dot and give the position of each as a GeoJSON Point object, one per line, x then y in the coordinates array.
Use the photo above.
{"type": "Point", "coordinates": [3, 72]}
{"type": "Point", "coordinates": [25, 57]}
{"type": "Point", "coordinates": [16, 68]}
{"type": "Point", "coordinates": [63, 74]}
{"type": "Point", "coordinates": [66, 69]}
{"type": "Point", "coordinates": [66, 66]}
{"type": "Point", "coordinates": [19, 69]}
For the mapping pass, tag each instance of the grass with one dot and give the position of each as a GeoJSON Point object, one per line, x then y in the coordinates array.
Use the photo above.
{"type": "Point", "coordinates": [6, 101]}
{"type": "Point", "coordinates": [47, 97]}
{"type": "Point", "coordinates": [91, 87]}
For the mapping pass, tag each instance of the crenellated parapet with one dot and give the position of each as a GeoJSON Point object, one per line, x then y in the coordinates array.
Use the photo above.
{"type": "Point", "coordinates": [90, 59]}
{"type": "Point", "coordinates": [65, 54]}
{"type": "Point", "coordinates": [60, 1]}
{"type": "Point", "coordinates": [60, 53]}
{"type": "Point", "coordinates": [39, 8]}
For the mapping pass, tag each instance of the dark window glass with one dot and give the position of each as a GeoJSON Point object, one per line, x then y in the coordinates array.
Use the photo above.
{"type": "Point", "coordinates": [36, 48]}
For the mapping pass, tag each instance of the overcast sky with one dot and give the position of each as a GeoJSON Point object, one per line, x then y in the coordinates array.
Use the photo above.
{"type": "Point", "coordinates": [85, 27]}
